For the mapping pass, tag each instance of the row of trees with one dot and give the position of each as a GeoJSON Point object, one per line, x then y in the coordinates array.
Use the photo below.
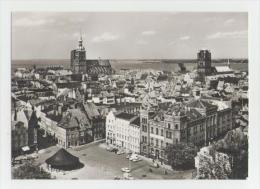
{"type": "Point", "coordinates": [30, 171]}
{"type": "Point", "coordinates": [224, 159]}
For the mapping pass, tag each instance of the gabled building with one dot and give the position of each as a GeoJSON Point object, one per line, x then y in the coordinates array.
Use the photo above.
{"type": "Point", "coordinates": [76, 129]}
{"type": "Point", "coordinates": [96, 121]}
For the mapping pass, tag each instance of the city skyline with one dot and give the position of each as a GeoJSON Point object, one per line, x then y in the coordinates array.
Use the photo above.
{"type": "Point", "coordinates": [129, 35]}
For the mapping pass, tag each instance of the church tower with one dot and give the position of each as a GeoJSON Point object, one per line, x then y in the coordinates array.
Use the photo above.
{"type": "Point", "coordinates": [204, 64]}
{"type": "Point", "coordinates": [78, 58]}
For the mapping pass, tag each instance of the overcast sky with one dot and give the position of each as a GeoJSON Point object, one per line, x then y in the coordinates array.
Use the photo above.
{"type": "Point", "coordinates": [129, 35]}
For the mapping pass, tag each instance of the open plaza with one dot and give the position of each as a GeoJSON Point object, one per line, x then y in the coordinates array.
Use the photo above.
{"type": "Point", "coordinates": [102, 164]}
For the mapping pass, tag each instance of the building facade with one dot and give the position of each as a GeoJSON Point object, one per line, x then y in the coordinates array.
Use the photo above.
{"type": "Point", "coordinates": [123, 131]}
{"type": "Point", "coordinates": [198, 122]}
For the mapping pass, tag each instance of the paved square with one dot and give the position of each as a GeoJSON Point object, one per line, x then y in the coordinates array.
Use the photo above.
{"type": "Point", "coordinates": [102, 164]}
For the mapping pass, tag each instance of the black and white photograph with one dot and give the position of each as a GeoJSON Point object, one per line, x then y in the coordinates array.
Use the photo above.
{"type": "Point", "coordinates": [130, 95]}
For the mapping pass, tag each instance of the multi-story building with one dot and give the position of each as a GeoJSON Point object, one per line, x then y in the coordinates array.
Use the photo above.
{"type": "Point", "coordinates": [74, 129]}
{"type": "Point", "coordinates": [19, 137]}
{"type": "Point", "coordinates": [198, 122]}
{"type": "Point", "coordinates": [96, 121]}
{"type": "Point", "coordinates": [123, 131]}
{"type": "Point", "coordinates": [161, 128]}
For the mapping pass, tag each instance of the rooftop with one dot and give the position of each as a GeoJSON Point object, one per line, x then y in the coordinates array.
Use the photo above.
{"type": "Point", "coordinates": [125, 116]}
{"type": "Point", "coordinates": [220, 69]}
{"type": "Point", "coordinates": [136, 121]}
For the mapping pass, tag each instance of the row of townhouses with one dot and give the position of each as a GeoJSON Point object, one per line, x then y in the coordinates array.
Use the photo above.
{"type": "Point", "coordinates": [198, 122]}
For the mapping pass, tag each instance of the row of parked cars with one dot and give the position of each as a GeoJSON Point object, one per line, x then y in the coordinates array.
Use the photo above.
{"type": "Point", "coordinates": [113, 149]}
{"type": "Point", "coordinates": [132, 157]}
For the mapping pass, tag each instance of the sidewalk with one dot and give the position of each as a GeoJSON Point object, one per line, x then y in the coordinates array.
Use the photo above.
{"type": "Point", "coordinates": [82, 147]}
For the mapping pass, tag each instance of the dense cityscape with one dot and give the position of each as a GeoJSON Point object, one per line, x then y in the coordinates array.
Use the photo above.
{"type": "Point", "coordinates": [94, 122]}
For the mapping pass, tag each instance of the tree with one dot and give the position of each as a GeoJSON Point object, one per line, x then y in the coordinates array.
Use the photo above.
{"type": "Point", "coordinates": [181, 156]}
{"type": "Point", "coordinates": [211, 164]}
{"type": "Point", "coordinates": [235, 145]}
{"type": "Point", "coordinates": [30, 171]}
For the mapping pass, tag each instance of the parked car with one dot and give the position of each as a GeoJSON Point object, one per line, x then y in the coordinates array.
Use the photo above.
{"type": "Point", "coordinates": [114, 150]}
{"type": "Point", "coordinates": [109, 148]}
{"type": "Point", "coordinates": [117, 178]}
{"type": "Point", "coordinates": [119, 152]}
{"type": "Point", "coordinates": [134, 157]}
{"type": "Point", "coordinates": [128, 176]}
{"type": "Point", "coordinates": [125, 169]}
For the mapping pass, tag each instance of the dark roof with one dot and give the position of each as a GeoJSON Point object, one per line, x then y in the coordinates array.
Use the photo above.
{"type": "Point", "coordinates": [125, 105]}
{"type": "Point", "coordinates": [201, 104]}
{"type": "Point", "coordinates": [91, 110]}
{"type": "Point", "coordinates": [62, 159]}
{"type": "Point", "coordinates": [74, 118]}
{"type": "Point", "coordinates": [125, 116]}
{"type": "Point", "coordinates": [193, 114]}
{"type": "Point", "coordinates": [136, 121]}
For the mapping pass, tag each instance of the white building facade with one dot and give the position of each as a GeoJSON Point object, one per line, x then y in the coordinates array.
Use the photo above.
{"type": "Point", "coordinates": [123, 131]}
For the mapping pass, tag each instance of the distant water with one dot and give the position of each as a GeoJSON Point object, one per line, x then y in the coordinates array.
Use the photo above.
{"type": "Point", "coordinates": [128, 64]}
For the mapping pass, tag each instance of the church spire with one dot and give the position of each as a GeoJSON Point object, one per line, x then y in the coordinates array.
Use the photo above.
{"type": "Point", "coordinates": [81, 47]}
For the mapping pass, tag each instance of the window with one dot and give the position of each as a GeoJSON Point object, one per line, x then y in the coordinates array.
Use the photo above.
{"type": "Point", "coordinates": [167, 134]}
{"type": "Point", "coordinates": [176, 126]}
{"type": "Point", "coordinates": [170, 134]}
{"type": "Point", "coordinates": [161, 132]}
{"type": "Point", "coordinates": [144, 120]}
{"type": "Point", "coordinates": [157, 131]}
{"type": "Point", "coordinates": [169, 126]}
{"type": "Point", "coordinates": [157, 142]}
{"type": "Point", "coordinates": [161, 143]}
{"type": "Point", "coordinates": [195, 129]}
{"type": "Point", "coordinates": [151, 129]}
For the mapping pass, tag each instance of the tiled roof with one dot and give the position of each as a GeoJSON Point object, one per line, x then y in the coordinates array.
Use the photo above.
{"type": "Point", "coordinates": [201, 104]}
{"type": "Point", "coordinates": [223, 69]}
{"type": "Point", "coordinates": [74, 118]}
{"type": "Point", "coordinates": [125, 105]}
{"type": "Point", "coordinates": [193, 114]}
{"type": "Point", "coordinates": [91, 110]}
